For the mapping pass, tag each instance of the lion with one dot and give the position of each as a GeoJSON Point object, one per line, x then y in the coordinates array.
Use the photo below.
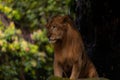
{"type": "Point", "coordinates": [70, 58]}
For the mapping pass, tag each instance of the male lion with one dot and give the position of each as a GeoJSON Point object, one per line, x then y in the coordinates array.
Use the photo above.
{"type": "Point", "coordinates": [70, 59]}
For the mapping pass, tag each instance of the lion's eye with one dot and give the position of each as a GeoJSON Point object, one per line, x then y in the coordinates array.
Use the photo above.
{"type": "Point", "coordinates": [53, 27]}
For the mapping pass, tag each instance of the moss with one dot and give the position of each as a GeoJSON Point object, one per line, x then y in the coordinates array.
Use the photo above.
{"type": "Point", "coordinates": [58, 78]}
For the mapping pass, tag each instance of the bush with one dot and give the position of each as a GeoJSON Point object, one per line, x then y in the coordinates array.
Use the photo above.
{"type": "Point", "coordinates": [22, 57]}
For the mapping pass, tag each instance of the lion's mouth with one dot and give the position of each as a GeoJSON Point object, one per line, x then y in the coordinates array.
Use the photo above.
{"type": "Point", "coordinates": [52, 40]}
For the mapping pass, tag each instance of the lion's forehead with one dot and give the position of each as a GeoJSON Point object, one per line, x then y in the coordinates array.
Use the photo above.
{"type": "Point", "coordinates": [56, 24]}
{"type": "Point", "coordinates": [57, 20]}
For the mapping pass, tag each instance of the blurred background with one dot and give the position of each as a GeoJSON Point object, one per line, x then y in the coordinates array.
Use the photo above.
{"type": "Point", "coordinates": [25, 53]}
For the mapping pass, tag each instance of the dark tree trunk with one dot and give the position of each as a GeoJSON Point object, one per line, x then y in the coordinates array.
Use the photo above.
{"type": "Point", "coordinates": [99, 24]}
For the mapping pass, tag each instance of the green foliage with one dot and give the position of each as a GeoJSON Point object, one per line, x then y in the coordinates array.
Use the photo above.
{"type": "Point", "coordinates": [17, 54]}
{"type": "Point", "coordinates": [32, 13]}
{"type": "Point", "coordinates": [20, 59]}
{"type": "Point", "coordinates": [10, 12]}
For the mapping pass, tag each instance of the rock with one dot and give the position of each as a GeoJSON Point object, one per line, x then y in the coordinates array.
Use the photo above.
{"type": "Point", "coordinates": [58, 78]}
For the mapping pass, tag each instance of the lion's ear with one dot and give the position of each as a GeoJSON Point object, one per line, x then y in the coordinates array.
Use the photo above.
{"type": "Point", "coordinates": [67, 19]}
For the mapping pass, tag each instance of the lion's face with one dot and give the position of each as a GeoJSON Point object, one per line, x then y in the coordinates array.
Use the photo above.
{"type": "Point", "coordinates": [55, 30]}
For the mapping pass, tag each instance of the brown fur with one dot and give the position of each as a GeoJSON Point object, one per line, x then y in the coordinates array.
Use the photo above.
{"type": "Point", "coordinates": [70, 59]}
